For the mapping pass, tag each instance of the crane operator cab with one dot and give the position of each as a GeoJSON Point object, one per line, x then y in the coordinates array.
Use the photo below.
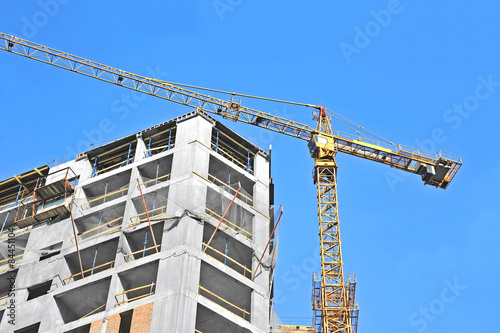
{"type": "Point", "coordinates": [321, 147]}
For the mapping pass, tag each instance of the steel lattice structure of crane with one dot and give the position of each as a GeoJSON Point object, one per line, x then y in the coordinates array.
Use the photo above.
{"type": "Point", "coordinates": [334, 301]}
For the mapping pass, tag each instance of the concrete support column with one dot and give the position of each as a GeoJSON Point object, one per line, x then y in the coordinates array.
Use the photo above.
{"type": "Point", "coordinates": [260, 311]}
{"type": "Point", "coordinates": [140, 149]}
{"type": "Point", "coordinates": [175, 309]}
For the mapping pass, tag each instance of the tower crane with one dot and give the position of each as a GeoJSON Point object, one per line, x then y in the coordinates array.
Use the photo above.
{"type": "Point", "coordinates": [334, 302]}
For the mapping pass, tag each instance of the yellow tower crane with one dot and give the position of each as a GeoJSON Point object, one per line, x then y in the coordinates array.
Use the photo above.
{"type": "Point", "coordinates": [334, 301]}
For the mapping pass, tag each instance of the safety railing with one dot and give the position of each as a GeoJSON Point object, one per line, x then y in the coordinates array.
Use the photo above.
{"type": "Point", "coordinates": [96, 172]}
{"type": "Point", "coordinates": [93, 311]}
{"type": "Point", "coordinates": [5, 265]}
{"type": "Point", "coordinates": [108, 196]}
{"type": "Point", "coordinates": [95, 232]}
{"type": "Point", "coordinates": [2, 300]}
{"type": "Point", "coordinates": [124, 293]}
{"type": "Point", "coordinates": [157, 180]}
{"type": "Point", "coordinates": [244, 270]}
{"type": "Point", "coordinates": [91, 270]}
{"type": "Point", "coordinates": [127, 256]}
{"type": "Point", "coordinates": [228, 224]}
{"type": "Point", "coordinates": [240, 312]}
{"type": "Point", "coordinates": [232, 150]}
{"type": "Point", "coordinates": [232, 190]}
{"type": "Point", "coordinates": [157, 212]}
{"type": "Point", "coordinates": [5, 233]}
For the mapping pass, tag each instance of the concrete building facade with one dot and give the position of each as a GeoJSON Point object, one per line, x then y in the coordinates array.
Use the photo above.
{"type": "Point", "coordinates": [79, 253]}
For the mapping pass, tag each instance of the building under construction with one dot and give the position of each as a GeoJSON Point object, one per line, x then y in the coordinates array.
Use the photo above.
{"type": "Point", "coordinates": [166, 230]}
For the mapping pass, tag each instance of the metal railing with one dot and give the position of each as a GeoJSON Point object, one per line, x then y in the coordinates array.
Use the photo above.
{"type": "Point", "coordinates": [244, 268]}
{"type": "Point", "coordinates": [83, 236]}
{"type": "Point", "coordinates": [103, 197]}
{"type": "Point", "coordinates": [160, 211]}
{"type": "Point", "coordinates": [151, 292]}
{"type": "Point", "coordinates": [92, 270]}
{"type": "Point", "coordinates": [125, 256]}
{"type": "Point", "coordinates": [243, 311]}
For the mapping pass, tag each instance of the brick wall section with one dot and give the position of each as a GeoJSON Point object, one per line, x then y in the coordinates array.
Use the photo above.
{"type": "Point", "coordinates": [96, 326]}
{"type": "Point", "coordinates": [141, 318]}
{"type": "Point", "coordinates": [113, 324]}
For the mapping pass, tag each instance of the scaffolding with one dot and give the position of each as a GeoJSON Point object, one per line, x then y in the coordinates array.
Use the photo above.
{"type": "Point", "coordinates": [51, 197]}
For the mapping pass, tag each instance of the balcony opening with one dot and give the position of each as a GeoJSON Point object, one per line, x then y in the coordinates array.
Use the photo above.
{"type": "Point", "coordinates": [225, 291]}
{"type": "Point", "coordinates": [159, 139]}
{"type": "Point", "coordinates": [84, 301]}
{"type": "Point", "coordinates": [228, 251]}
{"type": "Point", "coordinates": [95, 259]}
{"type": "Point", "coordinates": [237, 219]}
{"type": "Point", "coordinates": [156, 202]}
{"type": "Point", "coordinates": [113, 155]}
{"type": "Point", "coordinates": [103, 222]}
{"type": "Point", "coordinates": [208, 321]}
{"type": "Point", "coordinates": [13, 254]}
{"type": "Point", "coordinates": [137, 283]}
{"type": "Point", "coordinates": [156, 172]}
{"type": "Point", "coordinates": [141, 242]}
{"type": "Point", "coordinates": [106, 190]}
{"type": "Point", "coordinates": [228, 178]}
{"type": "Point", "coordinates": [234, 148]}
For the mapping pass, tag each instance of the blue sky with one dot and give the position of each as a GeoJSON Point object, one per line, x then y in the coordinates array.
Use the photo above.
{"type": "Point", "coordinates": [420, 73]}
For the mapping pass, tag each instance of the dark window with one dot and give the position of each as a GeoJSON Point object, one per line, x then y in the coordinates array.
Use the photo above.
{"type": "Point", "coordinates": [50, 251]}
{"type": "Point", "coordinates": [48, 255]}
{"type": "Point", "coordinates": [82, 329]}
{"type": "Point", "coordinates": [125, 321]}
{"type": "Point", "coordinates": [39, 290]}
{"type": "Point", "coordinates": [29, 329]}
